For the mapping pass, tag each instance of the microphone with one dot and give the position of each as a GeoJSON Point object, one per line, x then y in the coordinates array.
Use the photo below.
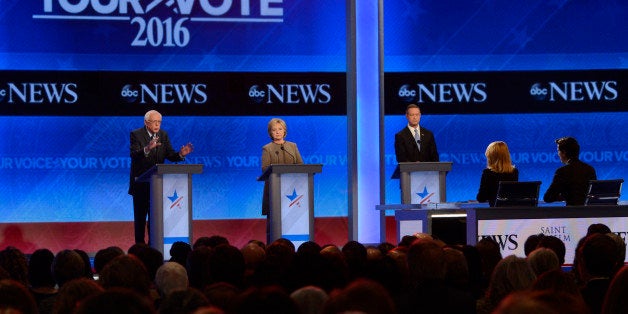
{"type": "Point", "coordinates": [294, 159]}
{"type": "Point", "coordinates": [277, 153]}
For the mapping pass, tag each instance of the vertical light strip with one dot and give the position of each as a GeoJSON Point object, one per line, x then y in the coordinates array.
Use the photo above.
{"type": "Point", "coordinates": [368, 122]}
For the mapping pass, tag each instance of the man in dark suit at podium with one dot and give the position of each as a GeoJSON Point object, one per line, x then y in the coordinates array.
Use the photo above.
{"type": "Point", "coordinates": [149, 146]}
{"type": "Point", "coordinates": [415, 143]}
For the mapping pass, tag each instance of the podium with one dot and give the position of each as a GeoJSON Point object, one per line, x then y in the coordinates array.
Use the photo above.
{"type": "Point", "coordinates": [291, 200]}
{"type": "Point", "coordinates": [422, 182]}
{"type": "Point", "coordinates": [170, 217]}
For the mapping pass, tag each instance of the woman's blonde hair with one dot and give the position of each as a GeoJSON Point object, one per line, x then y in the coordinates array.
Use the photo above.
{"type": "Point", "coordinates": [274, 121]}
{"type": "Point", "coordinates": [498, 157]}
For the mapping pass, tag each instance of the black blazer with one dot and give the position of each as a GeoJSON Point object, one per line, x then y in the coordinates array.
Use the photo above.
{"type": "Point", "coordinates": [406, 149]}
{"type": "Point", "coordinates": [139, 162]}
{"type": "Point", "coordinates": [570, 183]}
{"type": "Point", "coordinates": [490, 182]}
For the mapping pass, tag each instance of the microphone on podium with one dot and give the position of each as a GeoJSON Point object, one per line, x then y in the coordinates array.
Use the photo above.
{"type": "Point", "coordinates": [277, 153]}
{"type": "Point", "coordinates": [294, 159]}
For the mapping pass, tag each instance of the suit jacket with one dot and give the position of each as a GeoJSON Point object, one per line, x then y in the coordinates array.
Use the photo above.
{"type": "Point", "coordinates": [490, 182]}
{"type": "Point", "coordinates": [570, 183]}
{"type": "Point", "coordinates": [272, 154]}
{"type": "Point", "coordinates": [140, 163]}
{"type": "Point", "coordinates": [406, 149]}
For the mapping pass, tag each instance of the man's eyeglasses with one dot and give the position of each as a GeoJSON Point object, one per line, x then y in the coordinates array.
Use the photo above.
{"type": "Point", "coordinates": [153, 121]}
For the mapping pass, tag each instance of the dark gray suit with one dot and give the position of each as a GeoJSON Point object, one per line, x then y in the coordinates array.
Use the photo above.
{"type": "Point", "coordinates": [570, 183]}
{"type": "Point", "coordinates": [407, 150]}
{"type": "Point", "coordinates": [140, 163]}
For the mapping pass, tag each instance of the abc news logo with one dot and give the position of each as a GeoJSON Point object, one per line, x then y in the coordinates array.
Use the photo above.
{"type": "Point", "coordinates": [165, 93]}
{"type": "Point", "coordinates": [291, 93]}
{"type": "Point", "coordinates": [39, 93]}
{"type": "Point", "coordinates": [443, 93]}
{"type": "Point", "coordinates": [575, 91]}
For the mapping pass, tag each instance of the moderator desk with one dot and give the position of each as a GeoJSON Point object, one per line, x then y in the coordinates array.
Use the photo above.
{"type": "Point", "coordinates": [511, 226]}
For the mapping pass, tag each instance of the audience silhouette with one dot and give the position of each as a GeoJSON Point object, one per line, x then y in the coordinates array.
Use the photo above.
{"type": "Point", "coordinates": [419, 275]}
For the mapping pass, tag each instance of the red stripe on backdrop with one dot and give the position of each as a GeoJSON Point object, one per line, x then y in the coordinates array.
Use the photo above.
{"type": "Point", "coordinates": [93, 236]}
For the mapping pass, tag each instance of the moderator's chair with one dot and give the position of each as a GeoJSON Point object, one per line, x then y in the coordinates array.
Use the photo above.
{"type": "Point", "coordinates": [603, 192]}
{"type": "Point", "coordinates": [518, 193]}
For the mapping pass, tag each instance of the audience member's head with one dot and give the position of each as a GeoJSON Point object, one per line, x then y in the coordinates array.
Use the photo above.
{"type": "Point", "coordinates": [73, 293]}
{"type": "Point", "coordinates": [511, 274]}
{"type": "Point", "coordinates": [40, 269]}
{"type": "Point", "coordinates": [179, 252]}
{"type": "Point", "coordinates": [67, 265]}
{"type": "Point", "coordinates": [310, 299]}
{"type": "Point", "coordinates": [4, 274]}
{"type": "Point", "coordinates": [361, 296]}
{"type": "Point", "coordinates": [185, 301]}
{"type": "Point", "coordinates": [103, 256]}
{"type": "Point", "coordinates": [308, 267]}
{"type": "Point", "coordinates": [330, 249]}
{"type": "Point", "coordinates": [598, 228]}
{"type": "Point", "coordinates": [280, 253]}
{"type": "Point", "coordinates": [198, 267]}
{"type": "Point", "coordinates": [285, 242]}
{"type": "Point", "coordinates": [15, 263]}
{"type": "Point", "coordinates": [149, 256]}
{"type": "Point", "coordinates": [616, 300]}
{"type": "Point", "coordinates": [555, 244]}
{"type": "Point", "coordinates": [456, 268]}
{"type": "Point", "coordinates": [542, 260]}
{"type": "Point", "coordinates": [336, 263]}
{"type": "Point", "coordinates": [354, 253]}
{"type": "Point", "coordinates": [521, 302]}
{"type": "Point", "coordinates": [597, 257]}
{"type": "Point", "coordinates": [546, 302]}
{"type": "Point", "coordinates": [171, 276]}
{"type": "Point", "coordinates": [385, 247]}
{"type": "Point", "coordinates": [621, 248]}
{"type": "Point", "coordinates": [309, 248]}
{"type": "Point", "coordinates": [126, 271]}
{"type": "Point", "coordinates": [426, 262]}
{"type": "Point", "coordinates": [373, 253]}
{"type": "Point", "coordinates": [474, 266]}
{"type": "Point", "coordinates": [87, 265]}
{"type": "Point", "coordinates": [217, 240]}
{"type": "Point", "coordinates": [15, 298]}
{"type": "Point", "coordinates": [557, 280]}
{"type": "Point", "coordinates": [253, 255]}
{"type": "Point", "coordinates": [531, 243]}
{"type": "Point", "coordinates": [258, 242]}
{"type": "Point", "coordinates": [490, 255]}
{"type": "Point", "coordinates": [116, 300]}
{"type": "Point", "coordinates": [227, 265]}
{"type": "Point", "coordinates": [266, 299]}
{"type": "Point", "coordinates": [222, 295]}
{"type": "Point", "coordinates": [202, 241]}
{"type": "Point", "coordinates": [406, 241]}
